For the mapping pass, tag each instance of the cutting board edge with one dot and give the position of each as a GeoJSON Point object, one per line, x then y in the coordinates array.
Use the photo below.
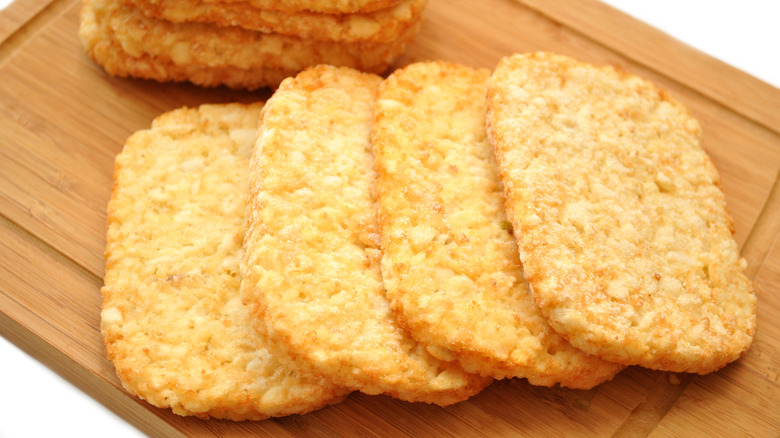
{"type": "Point", "coordinates": [130, 409]}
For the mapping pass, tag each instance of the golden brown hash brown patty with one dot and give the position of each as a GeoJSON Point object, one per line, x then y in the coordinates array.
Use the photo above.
{"type": "Point", "coordinates": [618, 213]}
{"type": "Point", "coordinates": [380, 26]}
{"type": "Point", "coordinates": [116, 62]}
{"type": "Point", "coordinates": [172, 318]}
{"type": "Point", "coordinates": [311, 254]}
{"type": "Point", "coordinates": [212, 54]}
{"type": "Point", "coordinates": [322, 6]}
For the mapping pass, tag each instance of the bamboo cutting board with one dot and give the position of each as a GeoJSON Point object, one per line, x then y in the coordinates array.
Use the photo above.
{"type": "Point", "coordinates": [63, 120]}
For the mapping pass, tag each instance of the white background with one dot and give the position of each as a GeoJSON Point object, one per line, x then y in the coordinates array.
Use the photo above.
{"type": "Point", "coordinates": [742, 33]}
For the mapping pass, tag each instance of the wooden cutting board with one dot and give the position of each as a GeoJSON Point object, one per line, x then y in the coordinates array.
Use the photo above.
{"type": "Point", "coordinates": [63, 120]}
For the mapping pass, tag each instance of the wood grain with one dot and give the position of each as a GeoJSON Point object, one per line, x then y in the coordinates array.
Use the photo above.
{"type": "Point", "coordinates": [18, 14]}
{"type": "Point", "coordinates": [59, 135]}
